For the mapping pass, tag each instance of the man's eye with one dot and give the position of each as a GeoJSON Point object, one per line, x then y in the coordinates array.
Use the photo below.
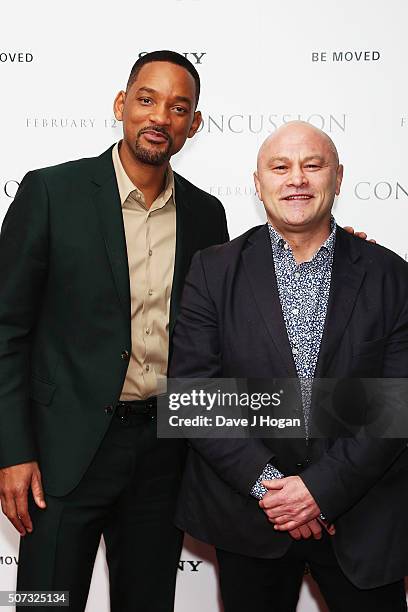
{"type": "Point", "coordinates": [145, 100]}
{"type": "Point", "coordinates": [180, 110]}
{"type": "Point", "coordinates": [280, 168]}
{"type": "Point", "coordinates": [312, 166]}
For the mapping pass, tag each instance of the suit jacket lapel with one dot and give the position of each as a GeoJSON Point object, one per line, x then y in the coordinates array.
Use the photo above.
{"type": "Point", "coordinates": [347, 276]}
{"type": "Point", "coordinates": [186, 245]}
{"type": "Point", "coordinates": [258, 262]}
{"type": "Point", "coordinates": [109, 211]}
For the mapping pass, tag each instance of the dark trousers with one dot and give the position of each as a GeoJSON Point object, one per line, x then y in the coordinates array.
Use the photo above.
{"type": "Point", "coordinates": [128, 495]}
{"type": "Point", "coordinates": [273, 585]}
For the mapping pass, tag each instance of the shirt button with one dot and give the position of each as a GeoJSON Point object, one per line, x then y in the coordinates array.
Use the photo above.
{"type": "Point", "coordinates": [150, 252]}
{"type": "Point", "coordinates": [295, 311]}
{"type": "Point", "coordinates": [125, 355]}
{"type": "Point", "coordinates": [147, 367]}
{"type": "Point", "coordinates": [286, 246]}
{"type": "Point", "coordinates": [150, 291]}
{"type": "Point", "coordinates": [297, 274]}
{"type": "Point", "coordinates": [148, 330]}
{"type": "Point", "coordinates": [108, 409]}
{"type": "Point", "coordinates": [294, 350]}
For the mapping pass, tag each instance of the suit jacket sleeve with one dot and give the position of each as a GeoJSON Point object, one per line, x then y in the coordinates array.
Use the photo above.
{"type": "Point", "coordinates": [197, 354]}
{"type": "Point", "coordinates": [23, 271]}
{"type": "Point", "coordinates": [353, 465]}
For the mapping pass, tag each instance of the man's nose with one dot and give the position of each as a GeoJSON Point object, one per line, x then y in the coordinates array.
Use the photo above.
{"type": "Point", "coordinates": [160, 115]}
{"type": "Point", "coordinates": [297, 177]}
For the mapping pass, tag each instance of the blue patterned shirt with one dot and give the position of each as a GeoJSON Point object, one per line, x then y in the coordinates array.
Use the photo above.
{"type": "Point", "coordinates": [304, 294]}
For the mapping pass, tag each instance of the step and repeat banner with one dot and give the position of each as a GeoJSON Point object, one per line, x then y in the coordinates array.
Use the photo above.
{"type": "Point", "coordinates": [339, 66]}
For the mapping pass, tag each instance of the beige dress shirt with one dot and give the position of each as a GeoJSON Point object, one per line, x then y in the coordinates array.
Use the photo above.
{"type": "Point", "coordinates": [151, 241]}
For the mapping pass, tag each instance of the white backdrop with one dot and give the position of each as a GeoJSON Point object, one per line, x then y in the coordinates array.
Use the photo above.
{"type": "Point", "coordinates": [339, 66]}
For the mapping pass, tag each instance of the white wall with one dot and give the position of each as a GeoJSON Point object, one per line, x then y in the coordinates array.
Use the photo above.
{"type": "Point", "coordinates": [257, 72]}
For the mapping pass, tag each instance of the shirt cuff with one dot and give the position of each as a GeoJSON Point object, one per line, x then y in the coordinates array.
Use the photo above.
{"type": "Point", "coordinates": [270, 472]}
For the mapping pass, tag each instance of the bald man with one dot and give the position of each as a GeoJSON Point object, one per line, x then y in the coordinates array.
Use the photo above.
{"type": "Point", "coordinates": [300, 298]}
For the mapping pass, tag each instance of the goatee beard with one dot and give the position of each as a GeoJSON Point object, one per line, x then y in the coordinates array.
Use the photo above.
{"type": "Point", "coordinates": [153, 158]}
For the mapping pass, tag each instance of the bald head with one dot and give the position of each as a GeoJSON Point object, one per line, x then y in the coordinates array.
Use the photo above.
{"type": "Point", "coordinates": [298, 175]}
{"type": "Point", "coordinates": [298, 132]}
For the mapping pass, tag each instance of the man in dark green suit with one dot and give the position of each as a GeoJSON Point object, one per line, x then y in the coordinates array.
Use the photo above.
{"type": "Point", "coordinates": [93, 255]}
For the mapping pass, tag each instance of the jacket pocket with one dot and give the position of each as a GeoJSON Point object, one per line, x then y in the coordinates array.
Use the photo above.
{"type": "Point", "coordinates": [41, 391]}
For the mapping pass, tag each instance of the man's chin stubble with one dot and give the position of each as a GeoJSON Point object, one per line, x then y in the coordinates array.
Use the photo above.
{"type": "Point", "coordinates": [152, 158]}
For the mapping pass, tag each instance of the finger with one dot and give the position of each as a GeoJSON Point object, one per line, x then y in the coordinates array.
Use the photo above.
{"type": "Point", "coordinates": [316, 529]}
{"type": "Point", "coordinates": [271, 501]}
{"type": "Point", "coordinates": [331, 530]}
{"type": "Point", "coordinates": [22, 511]}
{"type": "Point", "coordinates": [280, 517]}
{"type": "Point", "coordinates": [295, 534]}
{"type": "Point", "coordinates": [283, 520]}
{"type": "Point", "coordinates": [349, 229]}
{"type": "Point", "coordinates": [305, 531]}
{"type": "Point", "coordinates": [37, 489]}
{"type": "Point", "coordinates": [10, 510]}
{"type": "Point", "coordinates": [328, 527]}
{"type": "Point", "coordinates": [373, 241]}
{"type": "Point", "coordinates": [361, 235]}
{"type": "Point", "coordinates": [288, 526]}
{"type": "Point", "coordinates": [274, 485]}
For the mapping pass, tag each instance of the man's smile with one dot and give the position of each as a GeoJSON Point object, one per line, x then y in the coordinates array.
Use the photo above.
{"type": "Point", "coordinates": [155, 137]}
{"type": "Point", "coordinates": [297, 197]}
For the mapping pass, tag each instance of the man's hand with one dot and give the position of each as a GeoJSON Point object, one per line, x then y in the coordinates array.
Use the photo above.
{"type": "Point", "coordinates": [312, 528]}
{"type": "Point", "coordinates": [288, 503]}
{"type": "Point", "coordinates": [361, 235]}
{"type": "Point", "coordinates": [15, 481]}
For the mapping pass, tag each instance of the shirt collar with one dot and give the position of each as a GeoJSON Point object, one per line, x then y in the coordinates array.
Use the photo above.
{"type": "Point", "coordinates": [280, 246]}
{"type": "Point", "coordinates": [126, 187]}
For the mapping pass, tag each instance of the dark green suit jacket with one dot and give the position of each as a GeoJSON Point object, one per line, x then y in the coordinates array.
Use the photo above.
{"type": "Point", "coordinates": [65, 310]}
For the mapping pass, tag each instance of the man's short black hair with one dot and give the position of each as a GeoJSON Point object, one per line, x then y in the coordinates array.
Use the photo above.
{"type": "Point", "coordinates": [164, 56]}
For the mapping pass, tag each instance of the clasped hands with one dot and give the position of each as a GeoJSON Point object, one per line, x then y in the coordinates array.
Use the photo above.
{"type": "Point", "coordinates": [290, 507]}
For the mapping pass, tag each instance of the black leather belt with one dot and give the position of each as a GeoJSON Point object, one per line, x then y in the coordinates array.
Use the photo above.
{"type": "Point", "coordinates": [147, 407]}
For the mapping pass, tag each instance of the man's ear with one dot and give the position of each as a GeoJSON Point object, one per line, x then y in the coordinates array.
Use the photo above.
{"type": "Point", "coordinates": [195, 125]}
{"type": "Point", "coordinates": [118, 105]}
{"type": "Point", "coordinates": [257, 185]}
{"type": "Point", "coordinates": [339, 178]}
